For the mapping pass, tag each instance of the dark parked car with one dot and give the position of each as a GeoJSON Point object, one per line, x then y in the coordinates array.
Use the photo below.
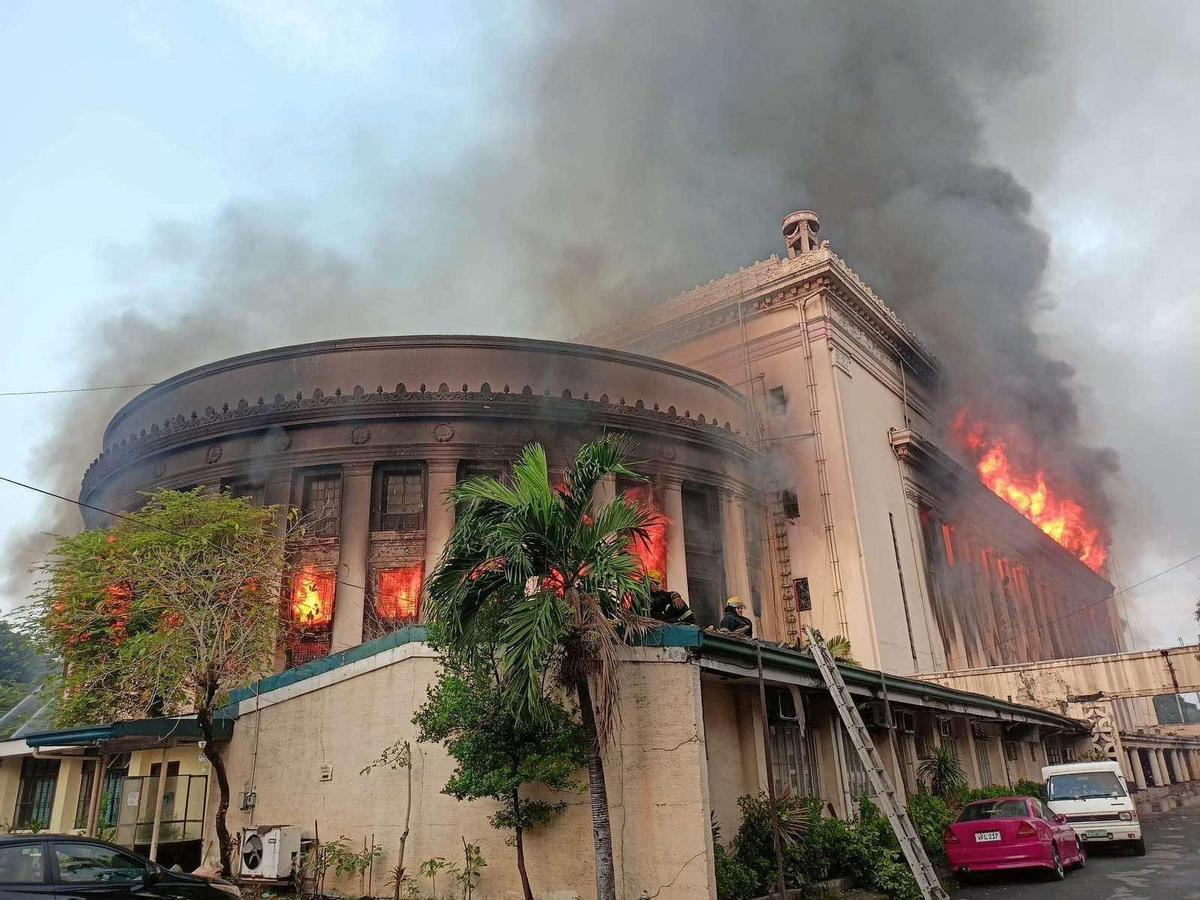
{"type": "Point", "coordinates": [63, 867]}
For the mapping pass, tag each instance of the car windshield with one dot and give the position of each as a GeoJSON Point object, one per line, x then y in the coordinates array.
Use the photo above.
{"type": "Point", "coordinates": [1084, 786]}
{"type": "Point", "coordinates": [994, 809]}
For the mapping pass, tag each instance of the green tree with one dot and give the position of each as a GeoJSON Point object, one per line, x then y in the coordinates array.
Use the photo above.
{"type": "Point", "coordinates": [499, 754]}
{"type": "Point", "coordinates": [536, 575]}
{"type": "Point", "coordinates": [165, 612]}
{"type": "Point", "coordinates": [944, 773]}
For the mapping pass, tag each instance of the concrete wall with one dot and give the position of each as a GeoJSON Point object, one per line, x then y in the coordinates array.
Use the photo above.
{"type": "Point", "coordinates": [657, 781]}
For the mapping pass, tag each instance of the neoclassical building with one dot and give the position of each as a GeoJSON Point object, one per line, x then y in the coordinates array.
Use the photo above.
{"type": "Point", "coordinates": [365, 436]}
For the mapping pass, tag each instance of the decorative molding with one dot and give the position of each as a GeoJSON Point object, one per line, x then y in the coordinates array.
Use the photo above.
{"type": "Point", "coordinates": [213, 454]}
{"type": "Point", "coordinates": [182, 429]}
{"type": "Point", "coordinates": [443, 432]}
{"type": "Point", "coordinates": [360, 434]}
{"type": "Point", "coordinates": [843, 361]}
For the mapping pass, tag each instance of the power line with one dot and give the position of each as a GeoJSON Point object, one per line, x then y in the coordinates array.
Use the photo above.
{"type": "Point", "coordinates": [126, 517]}
{"type": "Point", "coordinates": [81, 390]}
{"type": "Point", "coordinates": [1094, 603]}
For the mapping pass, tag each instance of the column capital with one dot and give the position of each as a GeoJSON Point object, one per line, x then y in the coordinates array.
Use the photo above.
{"type": "Point", "coordinates": [442, 464]}
{"type": "Point", "coordinates": [669, 481]}
{"type": "Point", "coordinates": [358, 470]}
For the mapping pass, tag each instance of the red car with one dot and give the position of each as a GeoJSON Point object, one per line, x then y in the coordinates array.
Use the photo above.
{"type": "Point", "coordinates": [1012, 833]}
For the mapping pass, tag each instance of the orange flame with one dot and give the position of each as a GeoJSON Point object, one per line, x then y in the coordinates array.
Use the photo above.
{"type": "Point", "coordinates": [651, 551]}
{"type": "Point", "coordinates": [312, 597]}
{"type": "Point", "coordinates": [398, 593]}
{"type": "Point", "coordinates": [1062, 518]}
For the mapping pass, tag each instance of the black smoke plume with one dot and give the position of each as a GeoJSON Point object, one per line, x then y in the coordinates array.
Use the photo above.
{"type": "Point", "coordinates": [648, 146]}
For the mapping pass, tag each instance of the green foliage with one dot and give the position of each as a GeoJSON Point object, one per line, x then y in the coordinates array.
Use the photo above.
{"type": "Point", "coordinates": [431, 867]}
{"type": "Point", "coordinates": [164, 610]}
{"type": "Point", "coordinates": [535, 577]}
{"type": "Point", "coordinates": [864, 848]}
{"type": "Point", "coordinates": [944, 774]}
{"type": "Point", "coordinates": [497, 753]}
{"type": "Point", "coordinates": [473, 865]}
{"type": "Point", "coordinates": [931, 816]}
{"type": "Point", "coordinates": [1027, 788]}
{"type": "Point", "coordinates": [1023, 788]}
{"type": "Point", "coordinates": [339, 856]}
{"type": "Point", "coordinates": [735, 880]}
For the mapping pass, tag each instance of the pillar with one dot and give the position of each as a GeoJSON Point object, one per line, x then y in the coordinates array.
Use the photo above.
{"type": "Point", "coordinates": [672, 502]}
{"type": "Point", "coordinates": [1158, 767]}
{"type": "Point", "coordinates": [1137, 775]}
{"type": "Point", "coordinates": [733, 536]}
{"type": "Point", "coordinates": [605, 491]}
{"type": "Point", "coordinates": [354, 544]}
{"type": "Point", "coordinates": [159, 795]}
{"type": "Point", "coordinates": [1194, 762]}
{"type": "Point", "coordinates": [439, 511]}
{"type": "Point", "coordinates": [974, 775]}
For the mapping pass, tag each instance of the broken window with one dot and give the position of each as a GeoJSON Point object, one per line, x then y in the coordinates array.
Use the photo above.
{"type": "Point", "coordinates": [777, 401]}
{"type": "Point", "coordinates": [703, 552]}
{"type": "Point", "coordinates": [790, 503]}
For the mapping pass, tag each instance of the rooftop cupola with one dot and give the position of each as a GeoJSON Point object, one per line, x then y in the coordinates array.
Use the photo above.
{"type": "Point", "coordinates": [800, 232]}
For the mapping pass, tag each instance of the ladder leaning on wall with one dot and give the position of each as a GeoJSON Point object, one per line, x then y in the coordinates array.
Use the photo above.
{"type": "Point", "coordinates": [885, 796]}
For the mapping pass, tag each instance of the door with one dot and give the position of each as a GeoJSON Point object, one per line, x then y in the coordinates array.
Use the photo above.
{"type": "Point", "coordinates": [87, 871]}
{"type": "Point", "coordinates": [23, 871]}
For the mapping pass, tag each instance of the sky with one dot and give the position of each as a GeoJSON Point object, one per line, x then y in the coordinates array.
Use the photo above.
{"type": "Point", "coordinates": [182, 181]}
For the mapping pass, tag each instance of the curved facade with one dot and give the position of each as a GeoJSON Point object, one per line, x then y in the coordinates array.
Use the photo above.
{"type": "Point", "coordinates": [366, 435]}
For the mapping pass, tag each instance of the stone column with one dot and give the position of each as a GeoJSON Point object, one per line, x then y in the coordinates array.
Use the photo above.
{"type": "Point", "coordinates": [354, 545]}
{"type": "Point", "coordinates": [733, 536]}
{"type": "Point", "coordinates": [439, 511]}
{"type": "Point", "coordinates": [1135, 769]}
{"type": "Point", "coordinates": [1194, 761]}
{"type": "Point", "coordinates": [1158, 766]}
{"type": "Point", "coordinates": [605, 492]}
{"type": "Point", "coordinates": [672, 503]}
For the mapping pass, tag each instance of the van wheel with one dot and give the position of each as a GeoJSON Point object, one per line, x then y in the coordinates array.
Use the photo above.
{"type": "Point", "coordinates": [1139, 847]}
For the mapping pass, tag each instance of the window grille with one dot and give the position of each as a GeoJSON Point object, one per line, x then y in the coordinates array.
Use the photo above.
{"type": "Point", "coordinates": [1010, 751]}
{"type": "Point", "coordinates": [400, 499]}
{"type": "Point", "coordinates": [856, 773]}
{"type": "Point", "coordinates": [321, 504]}
{"type": "Point", "coordinates": [35, 795]}
{"type": "Point", "coordinates": [802, 594]}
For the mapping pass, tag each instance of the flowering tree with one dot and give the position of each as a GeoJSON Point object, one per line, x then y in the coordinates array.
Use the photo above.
{"type": "Point", "coordinates": [164, 613]}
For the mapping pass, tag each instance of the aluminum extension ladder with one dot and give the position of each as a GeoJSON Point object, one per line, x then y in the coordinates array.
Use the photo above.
{"type": "Point", "coordinates": [885, 796]}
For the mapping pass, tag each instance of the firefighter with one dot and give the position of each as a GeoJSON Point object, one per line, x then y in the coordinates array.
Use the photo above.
{"type": "Point", "coordinates": [677, 611]}
{"type": "Point", "coordinates": [734, 621]}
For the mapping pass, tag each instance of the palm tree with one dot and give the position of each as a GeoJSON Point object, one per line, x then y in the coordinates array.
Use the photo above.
{"type": "Point", "coordinates": [539, 583]}
{"type": "Point", "coordinates": [944, 773]}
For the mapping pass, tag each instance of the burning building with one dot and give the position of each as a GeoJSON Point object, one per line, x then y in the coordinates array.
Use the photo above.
{"type": "Point", "coordinates": [911, 534]}
{"type": "Point", "coordinates": [789, 424]}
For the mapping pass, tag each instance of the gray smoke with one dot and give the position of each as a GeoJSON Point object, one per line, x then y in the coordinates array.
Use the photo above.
{"type": "Point", "coordinates": [651, 146]}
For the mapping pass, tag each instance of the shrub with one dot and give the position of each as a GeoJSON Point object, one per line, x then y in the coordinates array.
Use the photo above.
{"type": "Point", "coordinates": [931, 816]}
{"type": "Point", "coordinates": [1022, 788]}
{"type": "Point", "coordinates": [875, 857]}
{"type": "Point", "coordinates": [735, 880]}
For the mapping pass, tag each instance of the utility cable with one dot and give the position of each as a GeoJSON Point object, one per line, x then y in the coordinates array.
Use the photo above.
{"type": "Point", "coordinates": [124, 516]}
{"type": "Point", "coordinates": [107, 387]}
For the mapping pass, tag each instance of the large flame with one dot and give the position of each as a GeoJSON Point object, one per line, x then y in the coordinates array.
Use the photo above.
{"type": "Point", "coordinates": [398, 593]}
{"type": "Point", "coordinates": [651, 551]}
{"type": "Point", "coordinates": [1060, 517]}
{"type": "Point", "coordinates": [312, 597]}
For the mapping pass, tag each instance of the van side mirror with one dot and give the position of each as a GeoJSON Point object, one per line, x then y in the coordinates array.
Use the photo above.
{"type": "Point", "coordinates": [1060, 819]}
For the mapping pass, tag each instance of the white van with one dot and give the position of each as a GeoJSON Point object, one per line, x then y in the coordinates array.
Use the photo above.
{"type": "Point", "coordinates": [1095, 799]}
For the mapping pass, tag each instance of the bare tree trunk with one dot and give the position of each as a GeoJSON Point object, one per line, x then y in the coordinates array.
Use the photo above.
{"type": "Point", "coordinates": [520, 841]}
{"type": "Point", "coordinates": [606, 878]}
{"type": "Point", "coordinates": [204, 718]}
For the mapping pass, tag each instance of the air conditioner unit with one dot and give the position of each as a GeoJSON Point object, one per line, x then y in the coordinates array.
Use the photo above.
{"type": "Point", "coordinates": [874, 715]}
{"type": "Point", "coordinates": [906, 722]}
{"type": "Point", "coordinates": [946, 728]}
{"type": "Point", "coordinates": [270, 852]}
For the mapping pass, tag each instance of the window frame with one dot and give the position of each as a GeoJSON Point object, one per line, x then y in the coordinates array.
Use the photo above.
{"type": "Point", "coordinates": [327, 526]}
{"type": "Point", "coordinates": [52, 858]}
{"type": "Point", "coordinates": [379, 480]}
{"type": "Point", "coordinates": [41, 845]}
{"type": "Point", "coordinates": [17, 823]}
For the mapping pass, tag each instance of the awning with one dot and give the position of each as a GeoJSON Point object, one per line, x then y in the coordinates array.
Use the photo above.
{"type": "Point", "coordinates": [136, 734]}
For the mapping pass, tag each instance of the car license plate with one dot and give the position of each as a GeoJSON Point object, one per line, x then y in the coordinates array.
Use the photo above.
{"type": "Point", "coordinates": [1096, 833]}
{"type": "Point", "coordinates": [982, 837]}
